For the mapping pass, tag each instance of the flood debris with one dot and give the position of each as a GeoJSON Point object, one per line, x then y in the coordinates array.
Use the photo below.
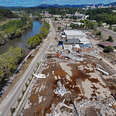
{"type": "Point", "coordinates": [60, 90]}
{"type": "Point", "coordinates": [41, 76]}
{"type": "Point", "coordinates": [102, 71]}
{"type": "Point", "coordinates": [70, 89]}
{"type": "Point", "coordinates": [74, 85]}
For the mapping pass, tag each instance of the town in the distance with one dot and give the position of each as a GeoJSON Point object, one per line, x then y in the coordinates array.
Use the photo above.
{"type": "Point", "coordinates": [58, 60]}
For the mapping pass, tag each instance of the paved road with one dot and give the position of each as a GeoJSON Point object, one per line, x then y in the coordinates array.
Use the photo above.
{"type": "Point", "coordinates": [11, 99]}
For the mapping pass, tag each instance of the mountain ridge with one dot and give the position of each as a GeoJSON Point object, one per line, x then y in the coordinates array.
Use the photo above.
{"type": "Point", "coordinates": [60, 6]}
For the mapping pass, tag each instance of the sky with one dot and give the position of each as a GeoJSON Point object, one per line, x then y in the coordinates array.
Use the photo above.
{"type": "Point", "coordinates": [27, 3]}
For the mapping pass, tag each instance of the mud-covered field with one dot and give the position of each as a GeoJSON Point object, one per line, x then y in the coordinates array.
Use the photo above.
{"type": "Point", "coordinates": [69, 89]}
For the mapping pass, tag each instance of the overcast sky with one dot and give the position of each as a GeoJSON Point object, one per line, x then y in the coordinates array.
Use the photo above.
{"type": "Point", "coordinates": [38, 2]}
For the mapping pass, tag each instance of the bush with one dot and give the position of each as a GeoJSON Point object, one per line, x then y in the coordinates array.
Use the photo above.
{"type": "Point", "coordinates": [110, 27]}
{"type": "Point", "coordinates": [108, 49]}
{"type": "Point", "coordinates": [90, 25]}
{"type": "Point", "coordinates": [34, 41]}
{"type": "Point", "coordinates": [44, 30]}
{"type": "Point", "coordinates": [12, 110]}
{"type": "Point", "coordinates": [59, 28]}
{"type": "Point", "coordinates": [74, 26]}
{"type": "Point", "coordinates": [55, 19]}
{"type": "Point", "coordinates": [114, 29]}
{"type": "Point", "coordinates": [98, 33]}
{"type": "Point", "coordinates": [99, 23]}
{"type": "Point", "coordinates": [110, 39]}
{"type": "Point", "coordinates": [9, 61]}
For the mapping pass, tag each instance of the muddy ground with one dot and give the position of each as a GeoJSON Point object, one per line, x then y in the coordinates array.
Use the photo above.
{"type": "Point", "coordinates": [81, 81]}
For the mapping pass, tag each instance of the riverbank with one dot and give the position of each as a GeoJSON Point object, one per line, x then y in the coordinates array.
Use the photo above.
{"type": "Point", "coordinates": [8, 64]}
{"type": "Point", "coordinates": [9, 83]}
{"type": "Point", "coordinates": [20, 68]}
{"type": "Point", "coordinates": [21, 41]}
{"type": "Point", "coordinates": [37, 39]}
{"type": "Point", "coordinates": [13, 29]}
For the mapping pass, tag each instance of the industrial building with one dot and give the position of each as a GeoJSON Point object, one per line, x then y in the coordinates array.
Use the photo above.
{"type": "Point", "coordinates": [71, 34]}
{"type": "Point", "coordinates": [74, 39]}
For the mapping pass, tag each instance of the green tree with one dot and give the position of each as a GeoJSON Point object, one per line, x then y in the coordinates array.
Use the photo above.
{"type": "Point", "coordinates": [12, 110]}
{"type": "Point", "coordinates": [33, 41]}
{"type": "Point", "coordinates": [114, 29]}
{"type": "Point", "coordinates": [36, 40]}
{"type": "Point", "coordinates": [59, 28]}
{"type": "Point", "coordinates": [108, 49]}
{"type": "Point", "coordinates": [98, 33]}
{"type": "Point", "coordinates": [100, 23]}
{"type": "Point", "coordinates": [9, 62]}
{"type": "Point", "coordinates": [102, 14]}
{"type": "Point", "coordinates": [110, 39]}
{"type": "Point", "coordinates": [55, 18]}
{"type": "Point", "coordinates": [110, 27]}
{"type": "Point", "coordinates": [89, 25]}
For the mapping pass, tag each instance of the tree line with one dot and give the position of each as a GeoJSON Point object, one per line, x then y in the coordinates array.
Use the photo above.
{"type": "Point", "coordinates": [105, 15]}
{"type": "Point", "coordinates": [37, 39]}
{"type": "Point", "coordinates": [12, 25]}
{"type": "Point", "coordinates": [13, 29]}
{"type": "Point", "coordinates": [5, 13]}
{"type": "Point", "coordinates": [62, 11]}
{"type": "Point", "coordinates": [9, 62]}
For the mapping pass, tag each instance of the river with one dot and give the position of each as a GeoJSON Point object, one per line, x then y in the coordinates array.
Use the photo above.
{"type": "Point", "coordinates": [21, 42]}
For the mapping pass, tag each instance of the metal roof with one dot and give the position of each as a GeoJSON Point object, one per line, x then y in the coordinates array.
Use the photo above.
{"type": "Point", "coordinates": [85, 45]}
{"type": "Point", "coordinates": [74, 33]}
{"type": "Point", "coordinates": [71, 41]}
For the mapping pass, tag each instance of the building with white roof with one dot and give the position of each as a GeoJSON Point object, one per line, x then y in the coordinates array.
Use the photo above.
{"type": "Point", "coordinates": [71, 34]}
{"type": "Point", "coordinates": [77, 23]}
{"type": "Point", "coordinates": [76, 39]}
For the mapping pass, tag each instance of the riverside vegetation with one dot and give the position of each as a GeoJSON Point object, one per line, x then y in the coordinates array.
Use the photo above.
{"type": "Point", "coordinates": [13, 28]}
{"type": "Point", "coordinates": [12, 58]}
{"type": "Point", "coordinates": [8, 63]}
{"type": "Point", "coordinates": [37, 39]}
